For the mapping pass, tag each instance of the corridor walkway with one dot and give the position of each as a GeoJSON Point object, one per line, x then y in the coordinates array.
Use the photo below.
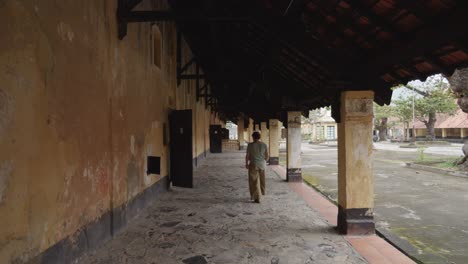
{"type": "Point", "coordinates": [216, 223]}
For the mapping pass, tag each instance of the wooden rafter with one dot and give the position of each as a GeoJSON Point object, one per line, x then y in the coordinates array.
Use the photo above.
{"type": "Point", "coordinates": [422, 42]}
{"type": "Point", "coordinates": [309, 60]}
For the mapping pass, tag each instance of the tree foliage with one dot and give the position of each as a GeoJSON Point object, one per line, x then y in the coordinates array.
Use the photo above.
{"type": "Point", "coordinates": [432, 97]}
{"type": "Point", "coordinates": [381, 116]}
{"type": "Point", "coordinates": [403, 110]}
{"type": "Point", "coordinates": [458, 82]}
{"type": "Point", "coordinates": [384, 111]}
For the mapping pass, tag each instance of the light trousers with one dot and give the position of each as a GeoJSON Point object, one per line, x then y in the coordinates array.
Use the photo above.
{"type": "Point", "coordinates": [255, 176]}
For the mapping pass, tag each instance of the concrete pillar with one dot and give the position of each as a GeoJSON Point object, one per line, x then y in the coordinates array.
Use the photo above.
{"type": "Point", "coordinates": [240, 132]}
{"type": "Point", "coordinates": [250, 129]}
{"type": "Point", "coordinates": [313, 133]}
{"type": "Point", "coordinates": [274, 141]}
{"type": "Point", "coordinates": [444, 133]}
{"type": "Point", "coordinates": [293, 146]}
{"type": "Point", "coordinates": [355, 175]}
{"type": "Point", "coordinates": [462, 133]}
{"type": "Point", "coordinates": [264, 131]}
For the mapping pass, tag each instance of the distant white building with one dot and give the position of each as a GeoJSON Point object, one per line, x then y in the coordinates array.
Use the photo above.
{"type": "Point", "coordinates": [320, 126]}
{"type": "Point", "coordinates": [232, 130]}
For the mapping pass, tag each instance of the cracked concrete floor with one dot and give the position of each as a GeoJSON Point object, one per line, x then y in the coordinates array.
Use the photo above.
{"type": "Point", "coordinates": [421, 212]}
{"type": "Point", "coordinates": [216, 223]}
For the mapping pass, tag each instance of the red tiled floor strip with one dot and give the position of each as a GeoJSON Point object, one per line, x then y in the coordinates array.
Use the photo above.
{"type": "Point", "coordinates": [373, 248]}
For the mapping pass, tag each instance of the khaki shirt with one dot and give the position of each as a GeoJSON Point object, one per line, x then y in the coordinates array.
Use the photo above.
{"type": "Point", "coordinates": [256, 151]}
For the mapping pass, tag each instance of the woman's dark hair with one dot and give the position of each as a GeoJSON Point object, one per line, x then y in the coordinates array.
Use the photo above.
{"type": "Point", "coordinates": [256, 135]}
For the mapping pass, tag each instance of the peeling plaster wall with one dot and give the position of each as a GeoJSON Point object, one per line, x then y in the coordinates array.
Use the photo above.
{"type": "Point", "coordinates": [79, 112]}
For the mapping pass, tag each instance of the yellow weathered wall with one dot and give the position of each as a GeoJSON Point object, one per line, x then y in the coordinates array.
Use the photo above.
{"type": "Point", "coordinates": [421, 132]}
{"type": "Point", "coordinates": [450, 132]}
{"type": "Point", "coordinates": [79, 112]}
{"type": "Point", "coordinates": [453, 132]}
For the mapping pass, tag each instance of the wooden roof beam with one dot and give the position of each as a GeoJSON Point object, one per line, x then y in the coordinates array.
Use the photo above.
{"type": "Point", "coordinates": [436, 64]}
{"type": "Point", "coordinates": [305, 82]}
{"type": "Point", "coordinates": [259, 31]}
{"type": "Point", "coordinates": [123, 8]}
{"type": "Point", "coordinates": [422, 42]}
{"type": "Point", "coordinates": [296, 60]}
{"type": "Point", "coordinates": [132, 4]}
{"type": "Point", "coordinates": [414, 7]}
{"type": "Point", "coordinates": [337, 29]}
{"type": "Point", "coordinates": [299, 72]}
{"type": "Point", "coordinates": [331, 60]}
{"type": "Point", "coordinates": [288, 77]}
{"type": "Point", "coordinates": [375, 20]}
{"type": "Point", "coordinates": [154, 16]}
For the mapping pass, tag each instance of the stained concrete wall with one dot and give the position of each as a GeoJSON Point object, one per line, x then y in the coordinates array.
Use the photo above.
{"type": "Point", "coordinates": [355, 156]}
{"type": "Point", "coordinates": [294, 140]}
{"type": "Point", "coordinates": [80, 111]}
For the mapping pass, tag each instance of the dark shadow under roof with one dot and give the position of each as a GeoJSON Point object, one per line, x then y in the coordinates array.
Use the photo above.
{"type": "Point", "coordinates": [262, 57]}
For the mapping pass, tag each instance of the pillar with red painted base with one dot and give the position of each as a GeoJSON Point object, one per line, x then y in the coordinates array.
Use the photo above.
{"type": "Point", "coordinates": [274, 141]}
{"type": "Point", "coordinates": [264, 132]}
{"type": "Point", "coordinates": [250, 130]}
{"type": "Point", "coordinates": [294, 140]}
{"type": "Point", "coordinates": [240, 132]}
{"type": "Point", "coordinates": [355, 173]}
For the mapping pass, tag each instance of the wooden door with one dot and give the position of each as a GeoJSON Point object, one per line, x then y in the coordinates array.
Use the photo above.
{"type": "Point", "coordinates": [181, 148]}
{"type": "Point", "coordinates": [216, 139]}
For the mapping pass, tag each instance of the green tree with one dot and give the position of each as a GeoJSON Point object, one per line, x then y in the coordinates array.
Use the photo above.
{"type": "Point", "coordinates": [434, 96]}
{"type": "Point", "coordinates": [458, 84]}
{"type": "Point", "coordinates": [403, 110]}
{"type": "Point", "coordinates": [381, 115]}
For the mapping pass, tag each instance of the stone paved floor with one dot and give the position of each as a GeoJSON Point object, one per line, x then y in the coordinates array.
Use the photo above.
{"type": "Point", "coordinates": [216, 223]}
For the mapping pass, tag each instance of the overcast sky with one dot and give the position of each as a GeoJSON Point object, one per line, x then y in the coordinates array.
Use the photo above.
{"type": "Point", "coordinates": [402, 92]}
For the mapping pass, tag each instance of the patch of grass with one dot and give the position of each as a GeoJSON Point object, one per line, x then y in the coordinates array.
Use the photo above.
{"type": "Point", "coordinates": [448, 164]}
{"type": "Point", "coordinates": [408, 146]}
{"type": "Point", "coordinates": [435, 142]}
{"type": "Point", "coordinates": [404, 233]}
{"type": "Point", "coordinates": [429, 162]}
{"type": "Point", "coordinates": [313, 182]}
{"type": "Point", "coordinates": [310, 179]}
{"type": "Point", "coordinates": [421, 154]}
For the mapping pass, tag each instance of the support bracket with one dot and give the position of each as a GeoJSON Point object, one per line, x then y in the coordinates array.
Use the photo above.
{"type": "Point", "coordinates": [181, 69]}
{"type": "Point", "coordinates": [124, 8]}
